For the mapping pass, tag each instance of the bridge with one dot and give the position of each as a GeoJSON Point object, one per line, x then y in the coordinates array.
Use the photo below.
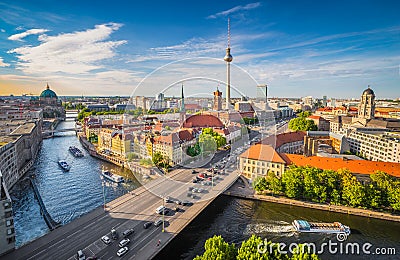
{"type": "Point", "coordinates": [132, 210]}
{"type": "Point", "coordinates": [61, 130]}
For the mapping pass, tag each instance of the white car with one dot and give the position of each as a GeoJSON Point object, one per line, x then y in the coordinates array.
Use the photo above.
{"type": "Point", "coordinates": [106, 239]}
{"type": "Point", "coordinates": [124, 242]}
{"type": "Point", "coordinates": [161, 210]}
{"type": "Point", "coordinates": [122, 251]}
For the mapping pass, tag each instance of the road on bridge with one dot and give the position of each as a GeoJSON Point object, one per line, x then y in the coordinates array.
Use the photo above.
{"type": "Point", "coordinates": [131, 211]}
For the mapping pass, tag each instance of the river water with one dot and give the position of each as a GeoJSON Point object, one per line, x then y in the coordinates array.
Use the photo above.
{"type": "Point", "coordinates": [67, 195]}
{"type": "Point", "coordinates": [237, 219]}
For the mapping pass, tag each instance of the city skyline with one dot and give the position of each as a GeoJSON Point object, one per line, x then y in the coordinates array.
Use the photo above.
{"type": "Point", "coordinates": [298, 49]}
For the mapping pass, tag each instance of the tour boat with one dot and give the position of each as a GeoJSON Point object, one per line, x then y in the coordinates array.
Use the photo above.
{"type": "Point", "coordinates": [112, 177]}
{"type": "Point", "coordinates": [75, 151]}
{"type": "Point", "coordinates": [312, 227]}
{"type": "Point", "coordinates": [64, 165]}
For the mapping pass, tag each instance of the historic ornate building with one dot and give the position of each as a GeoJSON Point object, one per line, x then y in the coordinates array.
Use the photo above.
{"type": "Point", "coordinates": [50, 103]}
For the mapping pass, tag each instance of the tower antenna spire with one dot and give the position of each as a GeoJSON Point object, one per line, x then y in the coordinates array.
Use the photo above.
{"type": "Point", "coordinates": [228, 58]}
{"type": "Point", "coordinates": [229, 32]}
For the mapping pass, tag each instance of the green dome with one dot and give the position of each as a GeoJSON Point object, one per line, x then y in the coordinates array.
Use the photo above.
{"type": "Point", "coordinates": [48, 93]}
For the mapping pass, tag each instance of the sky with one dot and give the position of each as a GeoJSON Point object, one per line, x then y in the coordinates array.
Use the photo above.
{"type": "Point", "coordinates": [122, 48]}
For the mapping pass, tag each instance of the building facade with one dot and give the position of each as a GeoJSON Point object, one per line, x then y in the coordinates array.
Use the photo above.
{"type": "Point", "coordinates": [376, 145]}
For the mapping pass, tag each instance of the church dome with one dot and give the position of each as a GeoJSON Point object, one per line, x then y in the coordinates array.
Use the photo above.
{"type": "Point", "coordinates": [368, 91]}
{"type": "Point", "coordinates": [48, 93]}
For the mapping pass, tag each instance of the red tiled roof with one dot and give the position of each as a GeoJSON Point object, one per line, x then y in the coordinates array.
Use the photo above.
{"type": "Point", "coordinates": [192, 107]}
{"type": "Point", "coordinates": [325, 109]}
{"type": "Point", "coordinates": [281, 139]}
{"type": "Point", "coordinates": [262, 152]}
{"type": "Point", "coordinates": [314, 117]}
{"type": "Point", "coordinates": [354, 166]}
{"type": "Point", "coordinates": [184, 135]}
{"type": "Point", "coordinates": [202, 121]}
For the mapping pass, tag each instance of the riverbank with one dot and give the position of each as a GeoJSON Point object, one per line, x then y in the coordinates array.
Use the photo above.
{"type": "Point", "coordinates": [306, 204]}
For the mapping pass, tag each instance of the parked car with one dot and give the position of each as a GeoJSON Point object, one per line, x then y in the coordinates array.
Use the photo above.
{"type": "Point", "coordinates": [167, 199]}
{"type": "Point", "coordinates": [124, 242]}
{"type": "Point", "coordinates": [122, 251]}
{"type": "Point", "coordinates": [127, 232]}
{"type": "Point", "coordinates": [178, 202]}
{"type": "Point", "coordinates": [147, 225]}
{"type": "Point", "coordinates": [194, 171]}
{"type": "Point", "coordinates": [106, 240]}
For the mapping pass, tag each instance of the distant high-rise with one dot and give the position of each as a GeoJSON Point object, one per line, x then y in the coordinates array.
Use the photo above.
{"type": "Point", "coordinates": [228, 58]}
{"type": "Point", "coordinates": [262, 96]}
{"type": "Point", "coordinates": [217, 100]}
{"type": "Point", "coordinates": [182, 100]}
{"type": "Point", "coordinates": [324, 101]}
{"type": "Point", "coordinates": [182, 111]}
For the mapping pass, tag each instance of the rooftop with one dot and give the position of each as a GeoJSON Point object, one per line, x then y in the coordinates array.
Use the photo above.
{"type": "Point", "coordinates": [262, 152]}
{"type": "Point", "coordinates": [354, 166]}
{"type": "Point", "coordinates": [4, 140]}
{"type": "Point", "coordinates": [281, 139]}
{"type": "Point", "coordinates": [24, 129]}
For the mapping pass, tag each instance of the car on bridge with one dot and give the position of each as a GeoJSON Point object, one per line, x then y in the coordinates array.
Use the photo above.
{"type": "Point", "coordinates": [147, 225]}
{"type": "Point", "coordinates": [114, 234]}
{"type": "Point", "coordinates": [158, 222]}
{"type": "Point", "coordinates": [124, 242]}
{"type": "Point", "coordinates": [122, 251]}
{"type": "Point", "coordinates": [106, 240]}
{"type": "Point", "coordinates": [162, 210]}
{"type": "Point", "coordinates": [127, 232]}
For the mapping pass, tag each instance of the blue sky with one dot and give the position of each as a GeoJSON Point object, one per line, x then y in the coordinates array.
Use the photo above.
{"type": "Point", "coordinates": [298, 48]}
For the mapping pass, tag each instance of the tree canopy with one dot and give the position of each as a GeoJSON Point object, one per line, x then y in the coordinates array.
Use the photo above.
{"type": "Point", "coordinates": [302, 124]}
{"type": "Point", "coordinates": [254, 248]}
{"type": "Point", "coordinates": [334, 187]}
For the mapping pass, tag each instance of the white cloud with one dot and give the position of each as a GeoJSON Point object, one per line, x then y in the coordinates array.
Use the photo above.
{"type": "Point", "coordinates": [2, 63]}
{"type": "Point", "coordinates": [20, 36]}
{"type": "Point", "coordinates": [235, 9]}
{"type": "Point", "coordinates": [69, 53]}
{"type": "Point", "coordinates": [2, 30]}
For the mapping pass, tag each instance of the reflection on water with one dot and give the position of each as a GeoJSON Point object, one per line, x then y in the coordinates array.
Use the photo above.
{"type": "Point", "coordinates": [67, 195]}
{"type": "Point", "coordinates": [237, 219]}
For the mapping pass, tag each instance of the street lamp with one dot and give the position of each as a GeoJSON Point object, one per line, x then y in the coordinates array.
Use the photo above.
{"type": "Point", "coordinates": [163, 214]}
{"type": "Point", "coordinates": [104, 194]}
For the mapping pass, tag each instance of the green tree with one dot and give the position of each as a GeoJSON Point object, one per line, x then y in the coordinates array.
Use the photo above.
{"type": "Point", "coordinates": [256, 248]}
{"type": "Point", "coordinates": [293, 182]}
{"type": "Point", "coordinates": [353, 193]}
{"type": "Point", "coordinates": [302, 124]}
{"type": "Point", "coordinates": [303, 252]}
{"type": "Point", "coordinates": [207, 143]}
{"type": "Point", "coordinates": [274, 183]}
{"type": "Point", "coordinates": [394, 196]}
{"type": "Point", "coordinates": [260, 184]}
{"type": "Point", "coordinates": [217, 249]}
{"type": "Point", "coordinates": [193, 150]}
{"type": "Point", "coordinates": [304, 114]}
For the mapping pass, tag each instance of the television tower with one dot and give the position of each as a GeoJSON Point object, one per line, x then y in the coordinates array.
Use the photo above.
{"type": "Point", "coordinates": [228, 58]}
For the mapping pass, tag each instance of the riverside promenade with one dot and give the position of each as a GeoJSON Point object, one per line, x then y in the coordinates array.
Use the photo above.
{"type": "Point", "coordinates": [241, 189]}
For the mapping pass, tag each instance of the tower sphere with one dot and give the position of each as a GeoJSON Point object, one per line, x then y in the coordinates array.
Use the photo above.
{"type": "Point", "coordinates": [228, 56]}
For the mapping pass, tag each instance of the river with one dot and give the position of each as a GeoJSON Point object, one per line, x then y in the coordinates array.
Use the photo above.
{"type": "Point", "coordinates": [237, 219]}
{"type": "Point", "coordinates": [67, 195]}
